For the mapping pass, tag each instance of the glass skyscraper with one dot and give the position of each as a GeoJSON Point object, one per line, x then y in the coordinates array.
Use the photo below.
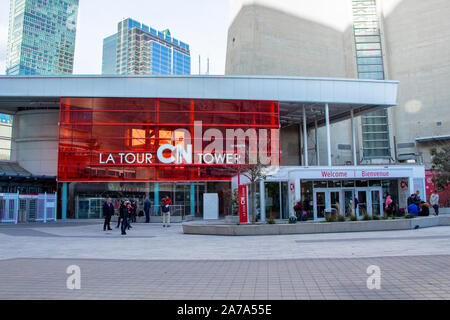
{"type": "Point", "coordinates": [141, 50]}
{"type": "Point", "coordinates": [41, 37]}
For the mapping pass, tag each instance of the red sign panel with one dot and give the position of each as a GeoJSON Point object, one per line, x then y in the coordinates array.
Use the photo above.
{"type": "Point", "coordinates": [243, 214]}
{"type": "Point", "coordinates": [444, 195]}
{"type": "Point", "coordinates": [150, 139]}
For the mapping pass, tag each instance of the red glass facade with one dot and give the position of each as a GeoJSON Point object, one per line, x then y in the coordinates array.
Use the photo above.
{"type": "Point", "coordinates": [96, 136]}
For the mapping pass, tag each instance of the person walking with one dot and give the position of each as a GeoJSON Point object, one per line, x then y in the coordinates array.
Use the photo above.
{"type": "Point", "coordinates": [129, 213]}
{"type": "Point", "coordinates": [121, 212]}
{"type": "Point", "coordinates": [108, 212]}
{"type": "Point", "coordinates": [133, 211]}
{"type": "Point", "coordinates": [124, 216]}
{"type": "Point", "coordinates": [388, 204]}
{"type": "Point", "coordinates": [147, 206]}
{"type": "Point", "coordinates": [166, 211]}
{"type": "Point", "coordinates": [434, 201]}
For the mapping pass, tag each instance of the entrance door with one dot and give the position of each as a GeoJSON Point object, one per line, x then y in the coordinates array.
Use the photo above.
{"type": "Point", "coordinates": [335, 200]}
{"type": "Point", "coordinates": [349, 203]}
{"type": "Point", "coordinates": [369, 202]}
{"type": "Point", "coordinates": [375, 197]}
{"type": "Point", "coordinates": [319, 204]}
{"type": "Point", "coordinates": [361, 208]}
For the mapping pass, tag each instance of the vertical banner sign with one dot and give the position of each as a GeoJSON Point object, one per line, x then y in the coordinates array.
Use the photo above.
{"type": "Point", "coordinates": [243, 204]}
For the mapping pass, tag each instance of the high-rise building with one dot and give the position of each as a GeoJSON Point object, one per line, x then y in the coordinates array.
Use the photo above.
{"type": "Point", "coordinates": [109, 55]}
{"type": "Point", "coordinates": [41, 37]}
{"type": "Point", "coordinates": [404, 40]}
{"type": "Point", "coordinates": [141, 50]}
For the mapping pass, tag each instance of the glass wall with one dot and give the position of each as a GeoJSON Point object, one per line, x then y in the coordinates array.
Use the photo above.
{"type": "Point", "coordinates": [6, 129]}
{"type": "Point", "coordinates": [117, 139]}
{"type": "Point", "coordinates": [276, 200]}
{"type": "Point", "coordinates": [369, 60]}
{"type": "Point", "coordinates": [86, 199]}
{"type": "Point", "coordinates": [341, 195]}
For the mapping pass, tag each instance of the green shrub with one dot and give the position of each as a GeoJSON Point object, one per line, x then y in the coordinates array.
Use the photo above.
{"type": "Point", "coordinates": [375, 217]}
{"type": "Point", "coordinates": [353, 218]}
{"type": "Point", "coordinates": [366, 217]}
{"type": "Point", "coordinates": [410, 216]}
{"type": "Point", "coordinates": [330, 218]}
{"type": "Point", "coordinates": [271, 221]}
{"type": "Point", "coordinates": [340, 218]}
{"type": "Point", "coordinates": [384, 217]}
{"type": "Point", "coordinates": [292, 219]}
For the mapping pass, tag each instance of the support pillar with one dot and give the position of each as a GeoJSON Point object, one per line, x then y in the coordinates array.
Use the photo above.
{"type": "Point", "coordinates": [327, 124]}
{"type": "Point", "coordinates": [353, 138]}
{"type": "Point", "coordinates": [317, 143]}
{"type": "Point", "coordinates": [156, 200]}
{"type": "Point", "coordinates": [192, 199]}
{"type": "Point", "coordinates": [262, 202]}
{"type": "Point", "coordinates": [305, 138]}
{"type": "Point", "coordinates": [64, 201]}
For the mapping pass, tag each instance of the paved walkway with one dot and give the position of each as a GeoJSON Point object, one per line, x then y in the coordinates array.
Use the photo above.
{"type": "Point", "coordinates": [153, 262]}
{"type": "Point", "coordinates": [401, 278]}
{"type": "Point", "coordinates": [153, 242]}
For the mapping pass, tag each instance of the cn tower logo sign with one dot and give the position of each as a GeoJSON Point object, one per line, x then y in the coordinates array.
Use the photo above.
{"type": "Point", "coordinates": [237, 146]}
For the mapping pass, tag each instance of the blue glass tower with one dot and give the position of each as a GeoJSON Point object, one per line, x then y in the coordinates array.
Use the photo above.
{"type": "Point", "coordinates": [109, 55]}
{"type": "Point", "coordinates": [142, 50]}
{"type": "Point", "coordinates": [41, 36]}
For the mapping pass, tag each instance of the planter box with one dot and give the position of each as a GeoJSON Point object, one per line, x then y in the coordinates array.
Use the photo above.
{"type": "Point", "coordinates": [317, 227]}
{"type": "Point", "coordinates": [232, 219]}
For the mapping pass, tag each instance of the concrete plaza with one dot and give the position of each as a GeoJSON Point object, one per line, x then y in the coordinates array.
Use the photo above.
{"type": "Point", "coordinates": [152, 262]}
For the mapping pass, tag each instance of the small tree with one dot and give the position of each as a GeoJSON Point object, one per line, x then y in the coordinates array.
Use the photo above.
{"type": "Point", "coordinates": [254, 173]}
{"type": "Point", "coordinates": [440, 166]}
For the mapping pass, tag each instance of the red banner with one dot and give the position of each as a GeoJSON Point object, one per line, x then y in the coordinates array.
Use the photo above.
{"type": "Point", "coordinates": [243, 215]}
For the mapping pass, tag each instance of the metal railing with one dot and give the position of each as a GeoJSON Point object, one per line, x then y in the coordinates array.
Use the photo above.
{"type": "Point", "coordinates": [15, 208]}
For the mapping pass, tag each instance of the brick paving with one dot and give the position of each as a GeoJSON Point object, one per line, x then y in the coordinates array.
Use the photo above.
{"type": "Point", "coordinates": [408, 277]}
{"type": "Point", "coordinates": [152, 262]}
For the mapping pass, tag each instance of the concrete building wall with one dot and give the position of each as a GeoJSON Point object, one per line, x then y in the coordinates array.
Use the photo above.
{"type": "Point", "coordinates": [297, 38]}
{"type": "Point", "coordinates": [417, 36]}
{"type": "Point", "coordinates": [290, 146]}
{"type": "Point", "coordinates": [315, 38]}
{"type": "Point", "coordinates": [35, 145]}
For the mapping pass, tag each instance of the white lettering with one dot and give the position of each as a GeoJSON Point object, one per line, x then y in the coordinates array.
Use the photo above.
{"type": "Point", "coordinates": [160, 155]}
{"type": "Point", "coordinates": [110, 158]}
{"type": "Point", "coordinates": [185, 154]}
{"type": "Point", "coordinates": [132, 161]}
{"type": "Point", "coordinates": [210, 156]}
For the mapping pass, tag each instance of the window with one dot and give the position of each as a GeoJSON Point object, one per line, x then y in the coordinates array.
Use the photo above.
{"type": "Point", "coordinates": [375, 126]}
{"type": "Point", "coordinates": [6, 125]}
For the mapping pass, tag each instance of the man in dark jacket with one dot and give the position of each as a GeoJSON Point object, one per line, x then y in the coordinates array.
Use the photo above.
{"type": "Point", "coordinates": [121, 212]}
{"type": "Point", "coordinates": [133, 210]}
{"type": "Point", "coordinates": [108, 212]}
{"type": "Point", "coordinates": [147, 205]}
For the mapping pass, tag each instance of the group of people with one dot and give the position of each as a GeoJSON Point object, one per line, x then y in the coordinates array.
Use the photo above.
{"type": "Point", "coordinates": [128, 213]}
{"type": "Point", "coordinates": [418, 207]}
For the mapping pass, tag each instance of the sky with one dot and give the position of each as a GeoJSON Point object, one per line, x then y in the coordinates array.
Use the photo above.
{"type": "Point", "coordinates": [202, 24]}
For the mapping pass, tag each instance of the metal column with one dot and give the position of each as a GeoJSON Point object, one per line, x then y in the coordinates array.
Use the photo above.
{"type": "Point", "coordinates": [64, 201]}
{"type": "Point", "coordinates": [317, 143]}
{"type": "Point", "coordinates": [192, 198]}
{"type": "Point", "coordinates": [327, 124]}
{"type": "Point", "coordinates": [156, 200]}
{"type": "Point", "coordinates": [305, 138]}
{"type": "Point", "coordinates": [353, 138]}
{"type": "Point", "coordinates": [262, 202]}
